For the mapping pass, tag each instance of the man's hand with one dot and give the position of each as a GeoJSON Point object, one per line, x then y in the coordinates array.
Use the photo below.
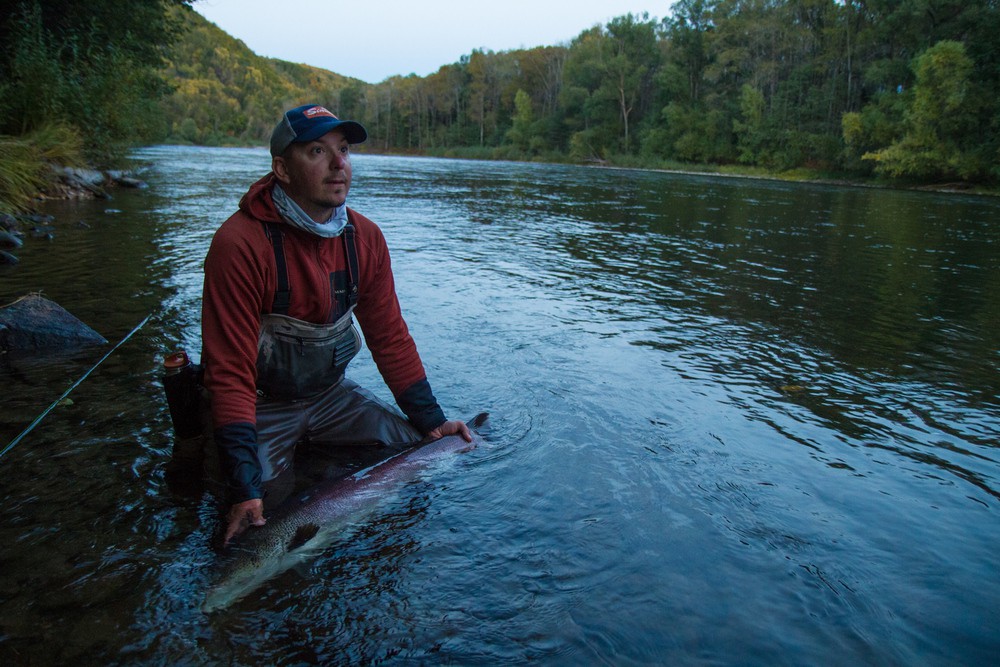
{"type": "Point", "coordinates": [248, 513]}
{"type": "Point", "coordinates": [451, 428]}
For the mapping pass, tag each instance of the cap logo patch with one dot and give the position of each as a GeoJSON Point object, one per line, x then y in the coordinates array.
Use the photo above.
{"type": "Point", "coordinates": [315, 112]}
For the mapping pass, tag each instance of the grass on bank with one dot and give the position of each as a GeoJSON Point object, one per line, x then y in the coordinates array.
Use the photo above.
{"type": "Point", "coordinates": [25, 164]}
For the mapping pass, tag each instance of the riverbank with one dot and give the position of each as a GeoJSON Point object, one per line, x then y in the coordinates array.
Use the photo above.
{"type": "Point", "coordinates": [44, 165]}
{"type": "Point", "coordinates": [51, 163]}
{"type": "Point", "coordinates": [54, 181]}
{"type": "Point", "coordinates": [798, 175]}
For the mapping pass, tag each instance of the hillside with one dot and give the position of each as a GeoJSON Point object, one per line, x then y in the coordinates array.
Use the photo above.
{"type": "Point", "coordinates": [225, 94]}
{"type": "Point", "coordinates": [818, 89]}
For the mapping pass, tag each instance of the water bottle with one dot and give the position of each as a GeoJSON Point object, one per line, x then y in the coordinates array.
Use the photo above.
{"type": "Point", "coordinates": [180, 383]}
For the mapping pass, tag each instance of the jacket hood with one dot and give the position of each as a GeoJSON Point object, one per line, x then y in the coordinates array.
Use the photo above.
{"type": "Point", "coordinates": [257, 202]}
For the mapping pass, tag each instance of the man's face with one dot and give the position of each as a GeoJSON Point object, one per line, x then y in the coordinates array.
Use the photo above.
{"type": "Point", "coordinates": [317, 174]}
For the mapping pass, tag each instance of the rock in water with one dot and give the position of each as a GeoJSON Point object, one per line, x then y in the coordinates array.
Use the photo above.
{"type": "Point", "coordinates": [33, 322]}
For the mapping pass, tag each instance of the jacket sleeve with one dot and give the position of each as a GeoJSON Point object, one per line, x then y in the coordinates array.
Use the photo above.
{"type": "Point", "coordinates": [420, 406]}
{"type": "Point", "coordinates": [231, 307]}
{"type": "Point", "coordinates": [237, 444]}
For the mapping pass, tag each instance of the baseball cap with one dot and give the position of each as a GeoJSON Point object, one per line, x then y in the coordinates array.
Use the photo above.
{"type": "Point", "coordinates": [311, 121]}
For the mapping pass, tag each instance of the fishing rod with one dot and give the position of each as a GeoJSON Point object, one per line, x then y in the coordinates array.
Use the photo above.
{"type": "Point", "coordinates": [73, 386]}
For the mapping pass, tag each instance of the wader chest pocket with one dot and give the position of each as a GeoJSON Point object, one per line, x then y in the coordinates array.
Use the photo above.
{"type": "Point", "coordinates": [297, 359]}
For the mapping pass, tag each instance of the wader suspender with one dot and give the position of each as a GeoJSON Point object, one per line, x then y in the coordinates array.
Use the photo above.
{"type": "Point", "coordinates": [282, 295]}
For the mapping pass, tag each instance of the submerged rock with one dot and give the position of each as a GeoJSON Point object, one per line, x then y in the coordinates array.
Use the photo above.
{"type": "Point", "coordinates": [33, 322]}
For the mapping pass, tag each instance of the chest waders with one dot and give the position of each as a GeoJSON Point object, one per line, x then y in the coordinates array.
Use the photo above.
{"type": "Point", "coordinates": [297, 359]}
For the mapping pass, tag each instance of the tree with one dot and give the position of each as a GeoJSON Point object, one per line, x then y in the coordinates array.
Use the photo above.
{"type": "Point", "coordinates": [694, 123]}
{"type": "Point", "coordinates": [85, 64]}
{"type": "Point", "coordinates": [608, 78]}
{"type": "Point", "coordinates": [687, 33]}
{"type": "Point", "coordinates": [490, 77]}
{"type": "Point", "coordinates": [520, 132]}
{"type": "Point", "coordinates": [749, 127]}
{"type": "Point", "coordinates": [633, 60]}
{"type": "Point", "coordinates": [938, 121]}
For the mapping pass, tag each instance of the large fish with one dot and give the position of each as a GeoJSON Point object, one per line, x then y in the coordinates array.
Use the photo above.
{"type": "Point", "coordinates": [298, 529]}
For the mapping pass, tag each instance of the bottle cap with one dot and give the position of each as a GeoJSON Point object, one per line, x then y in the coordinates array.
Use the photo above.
{"type": "Point", "coordinates": [176, 361]}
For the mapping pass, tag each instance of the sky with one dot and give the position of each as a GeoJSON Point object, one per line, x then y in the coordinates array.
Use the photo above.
{"type": "Point", "coordinates": [372, 40]}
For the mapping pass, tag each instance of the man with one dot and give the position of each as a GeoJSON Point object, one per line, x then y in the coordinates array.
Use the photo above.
{"type": "Point", "coordinates": [284, 278]}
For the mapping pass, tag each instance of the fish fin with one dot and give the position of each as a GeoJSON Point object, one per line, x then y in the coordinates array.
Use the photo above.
{"type": "Point", "coordinates": [478, 420]}
{"type": "Point", "coordinates": [303, 534]}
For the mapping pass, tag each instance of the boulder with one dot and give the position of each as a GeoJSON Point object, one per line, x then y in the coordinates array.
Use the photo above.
{"type": "Point", "coordinates": [33, 323]}
{"type": "Point", "coordinates": [126, 179]}
{"type": "Point", "coordinates": [78, 182]}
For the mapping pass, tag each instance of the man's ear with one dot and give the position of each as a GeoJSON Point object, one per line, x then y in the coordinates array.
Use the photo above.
{"type": "Point", "coordinates": [280, 169]}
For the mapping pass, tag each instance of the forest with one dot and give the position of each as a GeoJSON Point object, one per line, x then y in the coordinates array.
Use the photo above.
{"type": "Point", "coordinates": [897, 89]}
{"type": "Point", "coordinates": [891, 90]}
{"type": "Point", "coordinates": [80, 84]}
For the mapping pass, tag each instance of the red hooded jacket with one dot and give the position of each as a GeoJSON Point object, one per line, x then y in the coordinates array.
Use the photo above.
{"type": "Point", "coordinates": [240, 283]}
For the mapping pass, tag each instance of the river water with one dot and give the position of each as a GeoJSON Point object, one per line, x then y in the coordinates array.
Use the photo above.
{"type": "Point", "coordinates": [733, 422]}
